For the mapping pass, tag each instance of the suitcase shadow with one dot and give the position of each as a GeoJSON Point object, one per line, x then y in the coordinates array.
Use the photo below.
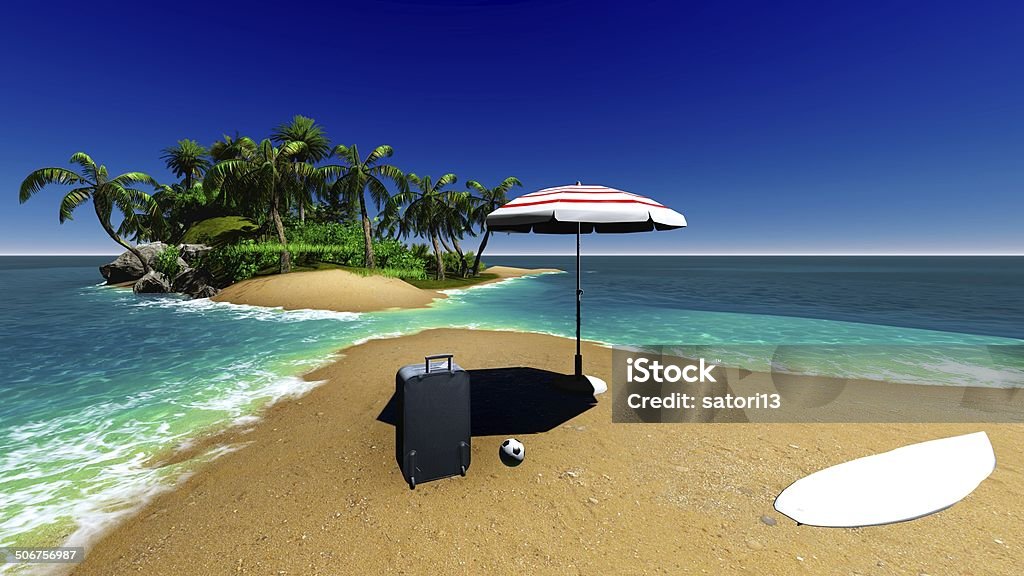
{"type": "Point", "coordinates": [510, 401]}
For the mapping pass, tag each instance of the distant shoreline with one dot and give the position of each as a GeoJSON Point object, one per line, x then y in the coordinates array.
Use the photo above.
{"type": "Point", "coordinates": [342, 291]}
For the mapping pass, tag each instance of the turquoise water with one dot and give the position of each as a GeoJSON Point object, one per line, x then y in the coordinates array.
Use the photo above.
{"type": "Point", "coordinates": [98, 380]}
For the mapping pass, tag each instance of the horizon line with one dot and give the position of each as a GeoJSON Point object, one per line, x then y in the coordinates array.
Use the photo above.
{"type": "Point", "coordinates": [760, 254]}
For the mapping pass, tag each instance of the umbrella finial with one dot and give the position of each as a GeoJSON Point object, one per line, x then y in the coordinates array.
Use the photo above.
{"type": "Point", "coordinates": [578, 183]}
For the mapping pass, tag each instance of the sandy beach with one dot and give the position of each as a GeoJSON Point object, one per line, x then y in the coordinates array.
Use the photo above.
{"type": "Point", "coordinates": [314, 487]}
{"type": "Point", "coordinates": [342, 291]}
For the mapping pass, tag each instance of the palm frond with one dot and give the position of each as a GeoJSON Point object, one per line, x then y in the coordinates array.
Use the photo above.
{"type": "Point", "coordinates": [73, 200]}
{"type": "Point", "coordinates": [86, 162]}
{"type": "Point", "coordinates": [382, 151]}
{"type": "Point", "coordinates": [349, 154]}
{"type": "Point", "coordinates": [378, 192]}
{"type": "Point", "coordinates": [135, 178]}
{"type": "Point", "coordinates": [306, 130]}
{"type": "Point", "coordinates": [507, 184]}
{"type": "Point", "coordinates": [290, 149]}
{"type": "Point", "coordinates": [394, 174]}
{"type": "Point", "coordinates": [39, 179]}
{"type": "Point", "coordinates": [445, 180]}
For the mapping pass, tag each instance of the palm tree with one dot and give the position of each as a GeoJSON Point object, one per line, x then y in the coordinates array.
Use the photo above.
{"type": "Point", "coordinates": [457, 221]}
{"type": "Point", "coordinates": [358, 175]}
{"type": "Point", "coordinates": [487, 201]}
{"type": "Point", "coordinates": [318, 147]}
{"type": "Point", "coordinates": [429, 211]}
{"type": "Point", "coordinates": [267, 172]}
{"type": "Point", "coordinates": [233, 193]}
{"type": "Point", "coordinates": [106, 194]}
{"type": "Point", "coordinates": [187, 160]}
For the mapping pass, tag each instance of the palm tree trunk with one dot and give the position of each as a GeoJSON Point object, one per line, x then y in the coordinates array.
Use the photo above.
{"type": "Point", "coordinates": [368, 260]}
{"type": "Point", "coordinates": [438, 260]}
{"type": "Point", "coordinates": [464, 266]}
{"type": "Point", "coordinates": [444, 243]}
{"type": "Point", "coordinates": [286, 264]}
{"type": "Point", "coordinates": [113, 236]}
{"type": "Point", "coordinates": [480, 251]}
{"type": "Point", "coordinates": [302, 211]}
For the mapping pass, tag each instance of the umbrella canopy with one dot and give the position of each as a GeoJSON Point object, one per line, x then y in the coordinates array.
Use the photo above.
{"type": "Point", "coordinates": [582, 209]}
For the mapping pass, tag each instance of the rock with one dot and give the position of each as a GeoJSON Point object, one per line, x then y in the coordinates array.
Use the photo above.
{"type": "Point", "coordinates": [193, 282]}
{"type": "Point", "coordinates": [191, 253]}
{"type": "Point", "coordinates": [205, 292]}
{"type": "Point", "coordinates": [768, 520]}
{"type": "Point", "coordinates": [152, 283]}
{"type": "Point", "coordinates": [127, 267]}
{"type": "Point", "coordinates": [754, 544]}
{"type": "Point", "coordinates": [592, 500]}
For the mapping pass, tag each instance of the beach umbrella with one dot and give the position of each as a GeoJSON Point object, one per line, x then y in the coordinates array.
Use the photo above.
{"type": "Point", "coordinates": [581, 209]}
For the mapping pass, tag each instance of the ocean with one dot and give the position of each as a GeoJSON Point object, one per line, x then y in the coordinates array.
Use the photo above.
{"type": "Point", "coordinates": [98, 380]}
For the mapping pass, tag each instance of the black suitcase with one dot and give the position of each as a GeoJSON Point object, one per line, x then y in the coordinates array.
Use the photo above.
{"type": "Point", "coordinates": [432, 434]}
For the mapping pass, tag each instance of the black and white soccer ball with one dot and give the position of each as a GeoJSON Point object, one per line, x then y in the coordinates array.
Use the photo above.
{"type": "Point", "coordinates": [512, 452]}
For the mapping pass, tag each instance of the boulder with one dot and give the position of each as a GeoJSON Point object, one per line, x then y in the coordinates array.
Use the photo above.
{"type": "Point", "coordinates": [191, 253]}
{"type": "Point", "coordinates": [152, 283]}
{"type": "Point", "coordinates": [205, 291]}
{"type": "Point", "coordinates": [127, 267]}
{"type": "Point", "coordinates": [193, 282]}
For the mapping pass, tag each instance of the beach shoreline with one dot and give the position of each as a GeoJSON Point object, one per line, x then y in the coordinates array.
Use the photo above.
{"type": "Point", "coordinates": [343, 291]}
{"type": "Point", "coordinates": [315, 488]}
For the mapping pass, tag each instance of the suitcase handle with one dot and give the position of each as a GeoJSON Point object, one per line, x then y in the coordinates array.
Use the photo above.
{"type": "Point", "coordinates": [427, 359]}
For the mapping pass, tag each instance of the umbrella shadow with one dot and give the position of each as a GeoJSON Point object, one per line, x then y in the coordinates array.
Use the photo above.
{"type": "Point", "coordinates": [511, 401]}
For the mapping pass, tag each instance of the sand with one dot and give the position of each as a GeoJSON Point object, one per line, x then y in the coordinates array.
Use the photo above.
{"type": "Point", "coordinates": [341, 291]}
{"type": "Point", "coordinates": [504, 272]}
{"type": "Point", "coordinates": [314, 488]}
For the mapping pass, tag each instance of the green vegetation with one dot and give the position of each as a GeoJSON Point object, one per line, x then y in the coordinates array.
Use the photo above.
{"type": "Point", "coordinates": [289, 201]}
{"type": "Point", "coordinates": [220, 231]}
{"type": "Point", "coordinates": [449, 283]}
{"type": "Point", "coordinates": [167, 262]}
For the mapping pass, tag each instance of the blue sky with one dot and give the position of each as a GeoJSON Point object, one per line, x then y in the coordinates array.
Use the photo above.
{"type": "Point", "coordinates": [824, 127]}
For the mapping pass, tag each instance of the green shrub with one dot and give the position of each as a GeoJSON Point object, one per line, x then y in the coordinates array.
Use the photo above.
{"type": "Point", "coordinates": [402, 273]}
{"type": "Point", "coordinates": [237, 262]}
{"type": "Point", "coordinates": [339, 243]}
{"type": "Point", "coordinates": [166, 262]}
{"type": "Point", "coordinates": [453, 264]}
{"type": "Point", "coordinates": [312, 242]}
{"type": "Point", "coordinates": [344, 244]}
{"type": "Point", "coordinates": [391, 253]}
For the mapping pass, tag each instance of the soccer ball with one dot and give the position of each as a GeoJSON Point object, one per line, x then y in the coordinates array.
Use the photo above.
{"type": "Point", "coordinates": [512, 452]}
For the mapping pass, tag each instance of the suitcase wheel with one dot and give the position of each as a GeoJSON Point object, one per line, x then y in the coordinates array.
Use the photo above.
{"type": "Point", "coordinates": [463, 470]}
{"type": "Point", "coordinates": [412, 483]}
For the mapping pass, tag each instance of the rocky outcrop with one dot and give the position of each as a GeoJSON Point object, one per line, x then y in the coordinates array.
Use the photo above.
{"type": "Point", "coordinates": [191, 253]}
{"type": "Point", "coordinates": [127, 267]}
{"type": "Point", "coordinates": [205, 291]}
{"type": "Point", "coordinates": [152, 283]}
{"type": "Point", "coordinates": [190, 280]}
{"type": "Point", "coordinates": [193, 282]}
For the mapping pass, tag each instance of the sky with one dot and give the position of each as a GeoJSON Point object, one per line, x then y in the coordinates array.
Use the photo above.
{"type": "Point", "coordinates": [818, 127]}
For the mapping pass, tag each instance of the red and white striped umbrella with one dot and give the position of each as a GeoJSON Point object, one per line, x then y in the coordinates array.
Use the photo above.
{"type": "Point", "coordinates": [583, 209]}
{"type": "Point", "coordinates": [579, 209]}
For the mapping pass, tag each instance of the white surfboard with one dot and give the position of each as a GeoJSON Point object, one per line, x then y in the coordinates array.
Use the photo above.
{"type": "Point", "coordinates": [903, 484]}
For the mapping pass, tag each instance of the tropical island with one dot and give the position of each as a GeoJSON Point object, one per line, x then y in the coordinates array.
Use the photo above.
{"type": "Point", "coordinates": [244, 213]}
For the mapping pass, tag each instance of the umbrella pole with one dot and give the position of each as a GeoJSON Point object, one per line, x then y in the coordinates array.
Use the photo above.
{"type": "Point", "coordinates": [579, 296]}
